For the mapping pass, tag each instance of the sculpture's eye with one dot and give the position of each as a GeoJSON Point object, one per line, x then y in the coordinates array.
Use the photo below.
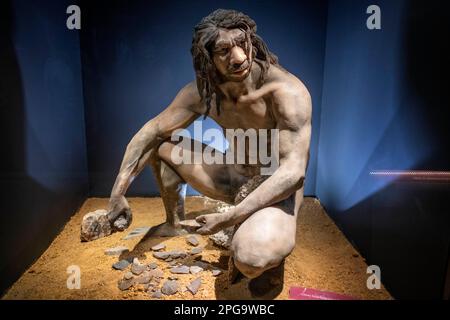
{"type": "Point", "coordinates": [222, 51]}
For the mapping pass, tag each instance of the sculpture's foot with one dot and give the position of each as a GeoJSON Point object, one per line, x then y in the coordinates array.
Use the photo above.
{"type": "Point", "coordinates": [166, 229]}
{"type": "Point", "coordinates": [234, 275]}
{"type": "Point", "coordinates": [269, 283]}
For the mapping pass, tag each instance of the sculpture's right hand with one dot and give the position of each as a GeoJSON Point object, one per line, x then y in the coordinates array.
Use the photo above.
{"type": "Point", "coordinates": [118, 207]}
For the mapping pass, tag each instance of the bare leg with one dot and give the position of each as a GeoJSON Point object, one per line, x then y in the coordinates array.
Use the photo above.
{"type": "Point", "coordinates": [265, 239]}
{"type": "Point", "coordinates": [173, 191]}
{"type": "Point", "coordinates": [216, 181]}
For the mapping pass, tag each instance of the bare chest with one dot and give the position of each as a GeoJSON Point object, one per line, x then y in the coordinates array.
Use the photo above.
{"type": "Point", "coordinates": [235, 115]}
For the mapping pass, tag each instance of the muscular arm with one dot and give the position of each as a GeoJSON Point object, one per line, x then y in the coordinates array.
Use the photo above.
{"type": "Point", "coordinates": [179, 114]}
{"type": "Point", "coordinates": [293, 112]}
{"type": "Point", "coordinates": [292, 108]}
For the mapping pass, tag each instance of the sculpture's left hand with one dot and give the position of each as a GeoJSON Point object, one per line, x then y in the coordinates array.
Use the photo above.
{"type": "Point", "coordinates": [213, 223]}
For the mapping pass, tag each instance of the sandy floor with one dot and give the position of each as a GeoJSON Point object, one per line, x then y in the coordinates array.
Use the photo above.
{"type": "Point", "coordinates": [323, 259]}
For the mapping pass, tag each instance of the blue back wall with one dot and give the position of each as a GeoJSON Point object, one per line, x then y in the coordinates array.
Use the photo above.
{"type": "Point", "coordinates": [136, 57]}
{"type": "Point", "coordinates": [43, 175]}
{"type": "Point", "coordinates": [385, 107]}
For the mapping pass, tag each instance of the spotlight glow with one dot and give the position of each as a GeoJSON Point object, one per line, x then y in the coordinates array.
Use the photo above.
{"type": "Point", "coordinates": [420, 175]}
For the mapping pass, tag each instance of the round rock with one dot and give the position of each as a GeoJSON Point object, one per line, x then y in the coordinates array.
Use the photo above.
{"type": "Point", "coordinates": [95, 225]}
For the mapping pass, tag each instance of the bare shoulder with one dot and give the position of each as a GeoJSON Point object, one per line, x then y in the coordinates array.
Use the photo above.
{"type": "Point", "coordinates": [291, 98]}
{"type": "Point", "coordinates": [188, 97]}
{"type": "Point", "coordinates": [287, 84]}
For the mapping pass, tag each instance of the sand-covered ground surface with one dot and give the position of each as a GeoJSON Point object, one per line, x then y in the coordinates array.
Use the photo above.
{"type": "Point", "coordinates": [323, 259]}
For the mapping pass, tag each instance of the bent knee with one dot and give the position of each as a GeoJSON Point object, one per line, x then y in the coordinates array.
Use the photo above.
{"type": "Point", "coordinates": [250, 269]}
{"type": "Point", "coordinates": [252, 265]}
{"type": "Point", "coordinates": [253, 258]}
{"type": "Point", "coordinates": [165, 151]}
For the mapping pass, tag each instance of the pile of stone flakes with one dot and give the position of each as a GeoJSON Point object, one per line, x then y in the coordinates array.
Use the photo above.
{"type": "Point", "coordinates": [150, 278]}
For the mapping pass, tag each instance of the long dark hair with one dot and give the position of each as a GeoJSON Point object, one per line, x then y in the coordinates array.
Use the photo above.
{"type": "Point", "coordinates": [205, 35]}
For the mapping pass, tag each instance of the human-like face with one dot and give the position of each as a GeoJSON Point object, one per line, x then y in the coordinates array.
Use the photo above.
{"type": "Point", "coordinates": [230, 55]}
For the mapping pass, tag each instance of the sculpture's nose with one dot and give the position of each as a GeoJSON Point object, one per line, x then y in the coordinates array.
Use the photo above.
{"type": "Point", "coordinates": [237, 56]}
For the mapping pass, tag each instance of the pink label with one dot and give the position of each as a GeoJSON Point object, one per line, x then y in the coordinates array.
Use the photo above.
{"type": "Point", "coordinates": [300, 293]}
